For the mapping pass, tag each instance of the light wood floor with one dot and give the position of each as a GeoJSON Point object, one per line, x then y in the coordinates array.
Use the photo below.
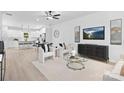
{"type": "Point", "coordinates": [19, 65]}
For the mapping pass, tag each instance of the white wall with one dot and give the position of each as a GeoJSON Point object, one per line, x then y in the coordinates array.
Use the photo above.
{"type": "Point", "coordinates": [49, 34]}
{"type": "Point", "coordinates": [97, 19]}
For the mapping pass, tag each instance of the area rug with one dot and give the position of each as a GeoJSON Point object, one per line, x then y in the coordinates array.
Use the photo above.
{"type": "Point", "coordinates": [56, 70]}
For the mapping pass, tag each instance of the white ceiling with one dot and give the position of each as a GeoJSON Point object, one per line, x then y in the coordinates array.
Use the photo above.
{"type": "Point", "coordinates": [30, 17]}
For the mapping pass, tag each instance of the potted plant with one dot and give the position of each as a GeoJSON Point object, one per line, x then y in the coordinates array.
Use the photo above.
{"type": "Point", "coordinates": [26, 36]}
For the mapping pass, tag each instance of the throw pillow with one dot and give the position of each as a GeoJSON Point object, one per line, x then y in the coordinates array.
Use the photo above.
{"type": "Point", "coordinates": [46, 48]}
{"type": "Point", "coordinates": [122, 71]}
{"type": "Point", "coordinates": [43, 47]}
{"type": "Point", "coordinates": [64, 45]}
{"type": "Point", "coordinates": [61, 44]}
{"type": "Point", "coordinates": [48, 45]}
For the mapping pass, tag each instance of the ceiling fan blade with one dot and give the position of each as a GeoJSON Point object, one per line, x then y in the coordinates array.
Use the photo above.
{"type": "Point", "coordinates": [50, 15]}
{"type": "Point", "coordinates": [9, 14]}
{"type": "Point", "coordinates": [57, 15]}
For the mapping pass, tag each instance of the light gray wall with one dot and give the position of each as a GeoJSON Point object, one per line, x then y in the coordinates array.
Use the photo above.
{"type": "Point", "coordinates": [49, 34]}
{"type": "Point", "coordinates": [97, 19]}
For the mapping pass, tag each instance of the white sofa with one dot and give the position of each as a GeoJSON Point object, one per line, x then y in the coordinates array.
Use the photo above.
{"type": "Point", "coordinates": [114, 75]}
{"type": "Point", "coordinates": [43, 55]}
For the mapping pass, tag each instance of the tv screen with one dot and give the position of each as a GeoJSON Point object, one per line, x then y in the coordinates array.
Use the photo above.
{"type": "Point", "coordinates": [95, 33]}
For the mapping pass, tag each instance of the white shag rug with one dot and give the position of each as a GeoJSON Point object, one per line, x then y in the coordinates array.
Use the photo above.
{"type": "Point", "coordinates": [56, 70]}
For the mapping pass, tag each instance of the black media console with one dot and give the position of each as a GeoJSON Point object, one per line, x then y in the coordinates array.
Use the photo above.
{"type": "Point", "coordinates": [98, 52]}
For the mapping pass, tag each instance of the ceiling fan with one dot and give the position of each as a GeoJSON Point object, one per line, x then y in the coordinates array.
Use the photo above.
{"type": "Point", "coordinates": [52, 15]}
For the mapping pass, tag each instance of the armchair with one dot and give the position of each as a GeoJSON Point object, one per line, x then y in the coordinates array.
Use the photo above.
{"type": "Point", "coordinates": [64, 49]}
{"type": "Point", "coordinates": [45, 51]}
{"type": "Point", "coordinates": [114, 75]}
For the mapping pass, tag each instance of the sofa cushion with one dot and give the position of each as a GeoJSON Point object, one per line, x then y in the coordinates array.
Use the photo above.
{"type": "Point", "coordinates": [117, 67]}
{"type": "Point", "coordinates": [45, 47]}
{"type": "Point", "coordinates": [65, 51]}
{"type": "Point", "coordinates": [122, 71]}
{"type": "Point", "coordinates": [47, 54]}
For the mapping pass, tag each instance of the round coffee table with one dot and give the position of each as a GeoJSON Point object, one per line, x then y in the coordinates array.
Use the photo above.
{"type": "Point", "coordinates": [75, 62]}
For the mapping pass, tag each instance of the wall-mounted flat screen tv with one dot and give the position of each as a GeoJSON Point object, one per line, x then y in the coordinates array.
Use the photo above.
{"type": "Point", "coordinates": [94, 33]}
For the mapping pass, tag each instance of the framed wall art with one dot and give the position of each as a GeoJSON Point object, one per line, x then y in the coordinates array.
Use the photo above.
{"type": "Point", "coordinates": [77, 34]}
{"type": "Point", "coordinates": [56, 33]}
{"type": "Point", "coordinates": [116, 32]}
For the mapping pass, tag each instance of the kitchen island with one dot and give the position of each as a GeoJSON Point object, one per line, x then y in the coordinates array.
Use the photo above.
{"type": "Point", "coordinates": [25, 44]}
